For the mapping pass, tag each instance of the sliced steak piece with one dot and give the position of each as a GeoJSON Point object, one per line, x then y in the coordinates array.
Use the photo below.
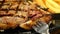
{"type": "Point", "coordinates": [14, 5]}
{"type": "Point", "coordinates": [3, 13]}
{"type": "Point", "coordinates": [10, 22]}
{"type": "Point", "coordinates": [11, 12]}
{"type": "Point", "coordinates": [5, 7]}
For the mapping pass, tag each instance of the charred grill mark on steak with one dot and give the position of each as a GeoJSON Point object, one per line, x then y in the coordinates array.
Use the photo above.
{"type": "Point", "coordinates": [12, 14]}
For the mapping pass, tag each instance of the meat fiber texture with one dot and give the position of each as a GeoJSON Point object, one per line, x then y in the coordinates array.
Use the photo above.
{"type": "Point", "coordinates": [22, 14]}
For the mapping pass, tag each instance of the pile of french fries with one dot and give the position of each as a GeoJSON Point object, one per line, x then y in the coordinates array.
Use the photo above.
{"type": "Point", "coordinates": [53, 5]}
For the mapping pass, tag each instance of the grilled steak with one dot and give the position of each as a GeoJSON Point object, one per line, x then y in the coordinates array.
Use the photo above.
{"type": "Point", "coordinates": [22, 14]}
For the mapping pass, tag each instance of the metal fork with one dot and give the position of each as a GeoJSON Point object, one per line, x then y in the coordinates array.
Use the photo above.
{"type": "Point", "coordinates": [41, 27]}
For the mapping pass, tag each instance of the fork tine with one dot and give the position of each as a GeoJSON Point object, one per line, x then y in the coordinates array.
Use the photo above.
{"type": "Point", "coordinates": [39, 23]}
{"type": "Point", "coordinates": [42, 23]}
{"type": "Point", "coordinates": [33, 27]}
{"type": "Point", "coordinates": [38, 26]}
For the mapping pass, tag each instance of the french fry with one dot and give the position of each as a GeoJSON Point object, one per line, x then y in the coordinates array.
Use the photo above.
{"type": "Point", "coordinates": [53, 4]}
{"type": "Point", "coordinates": [40, 2]}
{"type": "Point", "coordinates": [55, 10]}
